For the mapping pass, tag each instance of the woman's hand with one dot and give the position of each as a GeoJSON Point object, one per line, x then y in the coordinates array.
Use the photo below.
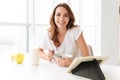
{"type": "Point", "coordinates": [62, 61]}
{"type": "Point", "coordinates": [47, 55]}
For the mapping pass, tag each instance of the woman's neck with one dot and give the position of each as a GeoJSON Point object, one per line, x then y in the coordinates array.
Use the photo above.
{"type": "Point", "coordinates": [62, 31]}
{"type": "Point", "coordinates": [61, 35]}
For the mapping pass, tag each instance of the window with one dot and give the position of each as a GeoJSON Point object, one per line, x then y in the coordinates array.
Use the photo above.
{"type": "Point", "coordinates": [13, 25]}
{"type": "Point", "coordinates": [23, 22]}
{"type": "Point", "coordinates": [90, 20]}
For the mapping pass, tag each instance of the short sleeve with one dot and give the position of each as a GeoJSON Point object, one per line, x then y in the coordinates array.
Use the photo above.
{"type": "Point", "coordinates": [77, 32]}
{"type": "Point", "coordinates": [44, 42]}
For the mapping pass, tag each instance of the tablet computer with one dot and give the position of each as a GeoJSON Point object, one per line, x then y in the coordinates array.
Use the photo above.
{"type": "Point", "coordinates": [79, 60]}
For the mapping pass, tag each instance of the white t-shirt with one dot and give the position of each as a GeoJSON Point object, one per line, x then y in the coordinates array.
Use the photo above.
{"type": "Point", "coordinates": [68, 46]}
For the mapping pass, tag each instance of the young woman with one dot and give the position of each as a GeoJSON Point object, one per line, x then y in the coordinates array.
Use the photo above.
{"type": "Point", "coordinates": [63, 37]}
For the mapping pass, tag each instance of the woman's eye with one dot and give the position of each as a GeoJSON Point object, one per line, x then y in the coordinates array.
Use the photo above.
{"type": "Point", "coordinates": [58, 14]}
{"type": "Point", "coordinates": [66, 15]}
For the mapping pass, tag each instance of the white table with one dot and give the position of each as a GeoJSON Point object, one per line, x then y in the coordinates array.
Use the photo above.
{"type": "Point", "coordinates": [111, 72]}
{"type": "Point", "coordinates": [45, 71]}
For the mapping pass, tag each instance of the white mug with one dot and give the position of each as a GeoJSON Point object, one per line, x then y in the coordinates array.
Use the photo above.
{"type": "Point", "coordinates": [34, 57]}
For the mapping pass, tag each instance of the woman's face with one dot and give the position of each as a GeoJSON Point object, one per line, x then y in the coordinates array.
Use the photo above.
{"type": "Point", "coordinates": [61, 17]}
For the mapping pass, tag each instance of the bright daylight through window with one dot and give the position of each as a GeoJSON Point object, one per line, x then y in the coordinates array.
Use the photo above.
{"type": "Point", "coordinates": [20, 24]}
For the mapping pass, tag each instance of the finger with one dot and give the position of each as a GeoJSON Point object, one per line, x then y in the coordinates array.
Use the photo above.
{"type": "Point", "coordinates": [51, 53]}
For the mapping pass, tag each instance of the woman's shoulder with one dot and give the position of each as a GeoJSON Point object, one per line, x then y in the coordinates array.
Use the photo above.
{"type": "Point", "coordinates": [75, 28]}
{"type": "Point", "coordinates": [45, 34]}
{"type": "Point", "coordinates": [76, 31]}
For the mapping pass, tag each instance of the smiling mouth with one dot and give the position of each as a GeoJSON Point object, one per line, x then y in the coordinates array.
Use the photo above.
{"type": "Point", "coordinates": [62, 23]}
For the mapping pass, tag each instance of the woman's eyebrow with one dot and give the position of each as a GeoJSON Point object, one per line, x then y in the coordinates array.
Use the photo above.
{"type": "Point", "coordinates": [63, 13]}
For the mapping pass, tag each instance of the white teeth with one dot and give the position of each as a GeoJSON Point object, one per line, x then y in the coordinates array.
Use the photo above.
{"type": "Point", "coordinates": [62, 23]}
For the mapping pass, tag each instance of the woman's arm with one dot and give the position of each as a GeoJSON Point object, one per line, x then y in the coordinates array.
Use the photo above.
{"type": "Point", "coordinates": [65, 62]}
{"type": "Point", "coordinates": [82, 45]}
{"type": "Point", "coordinates": [47, 56]}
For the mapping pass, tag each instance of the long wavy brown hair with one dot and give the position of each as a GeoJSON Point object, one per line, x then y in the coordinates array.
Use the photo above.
{"type": "Point", "coordinates": [53, 27]}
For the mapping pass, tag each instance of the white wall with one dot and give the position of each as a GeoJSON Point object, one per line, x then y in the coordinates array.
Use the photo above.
{"type": "Point", "coordinates": [110, 30]}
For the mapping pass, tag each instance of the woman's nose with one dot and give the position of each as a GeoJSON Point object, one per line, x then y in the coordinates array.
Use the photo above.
{"type": "Point", "coordinates": [61, 18]}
